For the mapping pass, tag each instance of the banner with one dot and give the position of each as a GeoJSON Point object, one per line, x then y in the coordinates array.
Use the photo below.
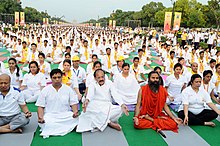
{"type": "Point", "coordinates": [114, 23]}
{"type": "Point", "coordinates": [167, 21]}
{"type": "Point", "coordinates": [16, 19]}
{"type": "Point", "coordinates": [22, 19]}
{"type": "Point", "coordinates": [47, 21]}
{"type": "Point", "coordinates": [110, 23]}
{"type": "Point", "coordinates": [177, 20]}
{"type": "Point", "coordinates": [44, 21]}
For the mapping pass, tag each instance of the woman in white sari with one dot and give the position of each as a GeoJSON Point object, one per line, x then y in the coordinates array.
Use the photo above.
{"type": "Point", "coordinates": [127, 85]}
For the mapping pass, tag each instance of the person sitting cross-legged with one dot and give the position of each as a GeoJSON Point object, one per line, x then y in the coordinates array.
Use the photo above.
{"type": "Point", "coordinates": [98, 110]}
{"type": "Point", "coordinates": [12, 120]}
{"type": "Point", "coordinates": [57, 107]}
{"type": "Point", "coordinates": [150, 105]}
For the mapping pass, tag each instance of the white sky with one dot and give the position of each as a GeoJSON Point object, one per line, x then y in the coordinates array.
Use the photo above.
{"type": "Point", "coordinates": [82, 10]}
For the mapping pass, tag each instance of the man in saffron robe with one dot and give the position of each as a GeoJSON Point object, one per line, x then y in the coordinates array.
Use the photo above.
{"type": "Point", "coordinates": [150, 105]}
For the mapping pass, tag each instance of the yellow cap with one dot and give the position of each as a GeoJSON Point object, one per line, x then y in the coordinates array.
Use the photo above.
{"type": "Point", "coordinates": [120, 58]}
{"type": "Point", "coordinates": [75, 58]}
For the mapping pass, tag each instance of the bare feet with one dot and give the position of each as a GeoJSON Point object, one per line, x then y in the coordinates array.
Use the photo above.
{"type": "Point", "coordinates": [19, 130]}
{"type": "Point", "coordinates": [115, 126]}
{"type": "Point", "coordinates": [210, 124]}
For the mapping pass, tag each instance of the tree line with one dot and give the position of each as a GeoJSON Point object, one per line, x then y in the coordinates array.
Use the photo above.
{"type": "Point", "coordinates": [194, 14]}
{"type": "Point", "coordinates": [32, 15]}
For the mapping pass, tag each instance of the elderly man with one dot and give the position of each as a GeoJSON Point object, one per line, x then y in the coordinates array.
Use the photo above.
{"type": "Point", "coordinates": [11, 118]}
{"type": "Point", "coordinates": [54, 113]}
{"type": "Point", "coordinates": [150, 105]}
{"type": "Point", "coordinates": [99, 112]}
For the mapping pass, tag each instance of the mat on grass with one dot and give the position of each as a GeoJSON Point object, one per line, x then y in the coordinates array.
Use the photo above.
{"type": "Point", "coordinates": [24, 139]}
{"type": "Point", "coordinates": [3, 58]}
{"type": "Point", "coordinates": [109, 137]}
{"type": "Point", "coordinates": [185, 137]}
{"type": "Point", "coordinates": [2, 53]}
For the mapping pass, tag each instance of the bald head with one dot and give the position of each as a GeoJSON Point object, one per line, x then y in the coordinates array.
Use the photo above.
{"type": "Point", "coordinates": [5, 76]}
{"type": "Point", "coordinates": [194, 67]}
{"type": "Point", "coordinates": [194, 63]}
{"type": "Point", "coordinates": [5, 82]}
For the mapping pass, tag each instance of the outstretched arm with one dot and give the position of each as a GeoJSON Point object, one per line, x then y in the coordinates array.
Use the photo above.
{"type": "Point", "coordinates": [138, 105]}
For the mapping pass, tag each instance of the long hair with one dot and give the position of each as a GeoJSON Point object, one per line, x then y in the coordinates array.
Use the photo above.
{"type": "Point", "coordinates": [16, 65]}
{"type": "Point", "coordinates": [34, 62]}
{"type": "Point", "coordinates": [193, 77]}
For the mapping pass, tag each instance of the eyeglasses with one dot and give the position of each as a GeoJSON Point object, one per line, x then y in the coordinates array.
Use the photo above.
{"type": "Point", "coordinates": [59, 77]}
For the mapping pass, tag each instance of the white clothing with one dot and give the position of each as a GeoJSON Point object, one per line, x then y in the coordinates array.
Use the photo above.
{"type": "Point", "coordinates": [214, 80]}
{"type": "Point", "coordinates": [32, 56]}
{"type": "Point", "coordinates": [174, 87]}
{"type": "Point", "coordinates": [100, 110]}
{"type": "Point", "coordinates": [83, 57]}
{"type": "Point", "coordinates": [57, 112]}
{"type": "Point", "coordinates": [197, 37]}
{"type": "Point", "coordinates": [137, 72]}
{"type": "Point", "coordinates": [2, 67]}
{"type": "Point", "coordinates": [167, 64]}
{"type": "Point", "coordinates": [57, 55]}
{"type": "Point", "coordinates": [128, 87]}
{"type": "Point", "coordinates": [15, 80]}
{"type": "Point", "coordinates": [116, 70]}
{"type": "Point", "coordinates": [105, 60]}
{"type": "Point", "coordinates": [208, 87]}
{"type": "Point", "coordinates": [90, 79]}
{"type": "Point", "coordinates": [189, 75]}
{"type": "Point", "coordinates": [46, 50]}
{"type": "Point", "coordinates": [9, 105]}
{"type": "Point", "coordinates": [45, 69]}
{"type": "Point", "coordinates": [34, 84]}
{"type": "Point", "coordinates": [89, 68]}
{"type": "Point", "coordinates": [196, 101]}
{"type": "Point", "coordinates": [80, 73]}
{"type": "Point", "coordinates": [209, 68]}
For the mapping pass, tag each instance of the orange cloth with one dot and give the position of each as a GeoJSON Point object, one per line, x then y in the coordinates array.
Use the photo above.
{"type": "Point", "coordinates": [153, 104]}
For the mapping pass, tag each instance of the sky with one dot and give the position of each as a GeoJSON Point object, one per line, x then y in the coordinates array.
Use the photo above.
{"type": "Point", "coordinates": [83, 10]}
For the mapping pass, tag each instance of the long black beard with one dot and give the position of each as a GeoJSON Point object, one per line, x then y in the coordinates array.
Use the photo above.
{"type": "Point", "coordinates": [154, 86]}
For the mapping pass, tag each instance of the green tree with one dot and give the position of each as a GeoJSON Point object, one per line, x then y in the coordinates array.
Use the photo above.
{"type": "Point", "coordinates": [196, 19]}
{"type": "Point", "coordinates": [214, 6]}
{"type": "Point", "coordinates": [9, 6]}
{"type": "Point", "coordinates": [148, 12]}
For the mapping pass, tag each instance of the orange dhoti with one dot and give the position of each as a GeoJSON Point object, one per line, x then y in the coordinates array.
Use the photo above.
{"type": "Point", "coordinates": [163, 124]}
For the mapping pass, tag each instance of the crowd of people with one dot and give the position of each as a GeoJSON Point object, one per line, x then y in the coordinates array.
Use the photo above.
{"type": "Point", "coordinates": [187, 80]}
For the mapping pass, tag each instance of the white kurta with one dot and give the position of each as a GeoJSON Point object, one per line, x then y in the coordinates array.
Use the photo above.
{"type": "Point", "coordinates": [34, 84]}
{"type": "Point", "coordinates": [90, 79]}
{"type": "Point", "coordinates": [174, 87]}
{"type": "Point", "coordinates": [58, 115]}
{"type": "Point", "coordinates": [15, 80]}
{"type": "Point", "coordinates": [128, 87]}
{"type": "Point", "coordinates": [105, 60]}
{"type": "Point", "coordinates": [100, 110]}
{"type": "Point", "coordinates": [196, 101]}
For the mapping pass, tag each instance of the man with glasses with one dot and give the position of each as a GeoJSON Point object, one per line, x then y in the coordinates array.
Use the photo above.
{"type": "Point", "coordinates": [57, 107]}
